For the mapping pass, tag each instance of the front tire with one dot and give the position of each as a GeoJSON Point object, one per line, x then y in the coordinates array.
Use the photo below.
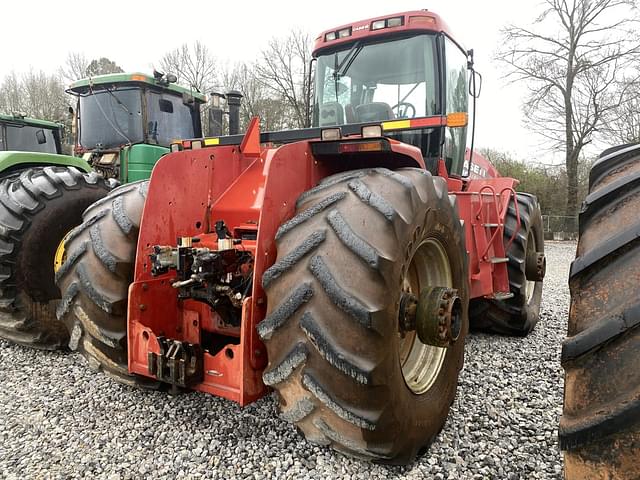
{"type": "Point", "coordinates": [95, 280]}
{"type": "Point", "coordinates": [344, 375]}
{"type": "Point", "coordinates": [38, 206]}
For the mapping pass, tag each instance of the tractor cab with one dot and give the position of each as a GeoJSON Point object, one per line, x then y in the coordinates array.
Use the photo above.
{"type": "Point", "coordinates": [22, 134]}
{"type": "Point", "coordinates": [125, 122]}
{"type": "Point", "coordinates": [405, 72]}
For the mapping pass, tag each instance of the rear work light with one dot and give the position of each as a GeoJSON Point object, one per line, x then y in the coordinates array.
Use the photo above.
{"type": "Point", "coordinates": [331, 134]}
{"type": "Point", "coordinates": [329, 36]}
{"type": "Point", "coordinates": [371, 131]}
{"type": "Point", "coordinates": [395, 22]}
{"type": "Point", "coordinates": [342, 33]}
{"type": "Point", "coordinates": [387, 23]}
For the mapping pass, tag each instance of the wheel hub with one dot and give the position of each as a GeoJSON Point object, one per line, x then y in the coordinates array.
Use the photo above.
{"type": "Point", "coordinates": [436, 315]}
{"type": "Point", "coordinates": [535, 266]}
{"type": "Point", "coordinates": [421, 363]}
{"type": "Point", "coordinates": [61, 253]}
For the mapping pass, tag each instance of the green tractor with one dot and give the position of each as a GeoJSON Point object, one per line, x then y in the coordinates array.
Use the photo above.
{"type": "Point", "coordinates": [126, 122]}
{"type": "Point", "coordinates": [123, 123]}
{"type": "Point", "coordinates": [20, 133]}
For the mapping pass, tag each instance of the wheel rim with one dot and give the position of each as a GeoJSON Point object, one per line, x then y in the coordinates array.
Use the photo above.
{"type": "Point", "coordinates": [422, 363]}
{"type": "Point", "coordinates": [530, 285]}
{"type": "Point", "coordinates": [61, 253]}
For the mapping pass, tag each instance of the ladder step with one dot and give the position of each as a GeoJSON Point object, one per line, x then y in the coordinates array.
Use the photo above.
{"type": "Point", "coordinates": [498, 260]}
{"type": "Point", "coordinates": [502, 295]}
{"type": "Point", "coordinates": [491, 225]}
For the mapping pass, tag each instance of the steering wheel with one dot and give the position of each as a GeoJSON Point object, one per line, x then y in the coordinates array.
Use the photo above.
{"type": "Point", "coordinates": [402, 110]}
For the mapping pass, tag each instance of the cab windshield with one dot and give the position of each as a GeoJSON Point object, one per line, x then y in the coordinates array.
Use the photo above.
{"type": "Point", "coordinates": [377, 82]}
{"type": "Point", "coordinates": [110, 118]}
{"type": "Point", "coordinates": [29, 138]}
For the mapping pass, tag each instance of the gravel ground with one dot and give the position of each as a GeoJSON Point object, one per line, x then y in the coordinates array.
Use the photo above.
{"type": "Point", "coordinates": [58, 420]}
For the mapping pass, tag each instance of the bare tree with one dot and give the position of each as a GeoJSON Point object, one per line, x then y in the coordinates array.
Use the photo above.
{"type": "Point", "coordinates": [44, 95]}
{"type": "Point", "coordinates": [257, 99]}
{"type": "Point", "coordinates": [574, 58]}
{"type": "Point", "coordinates": [625, 125]}
{"type": "Point", "coordinates": [193, 65]}
{"type": "Point", "coordinates": [283, 69]}
{"type": "Point", "coordinates": [75, 67]}
{"type": "Point", "coordinates": [11, 100]}
{"type": "Point", "coordinates": [35, 94]}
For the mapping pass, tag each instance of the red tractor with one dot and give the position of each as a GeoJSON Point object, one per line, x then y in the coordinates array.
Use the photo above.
{"type": "Point", "coordinates": [339, 265]}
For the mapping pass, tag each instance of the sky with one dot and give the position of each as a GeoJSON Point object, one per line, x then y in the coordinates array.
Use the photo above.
{"type": "Point", "coordinates": [136, 34]}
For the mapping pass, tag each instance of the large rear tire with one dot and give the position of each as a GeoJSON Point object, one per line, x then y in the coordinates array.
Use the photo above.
{"type": "Point", "coordinates": [345, 375]}
{"type": "Point", "coordinates": [95, 279]}
{"type": "Point", "coordinates": [600, 425]}
{"type": "Point", "coordinates": [518, 315]}
{"type": "Point", "coordinates": [38, 206]}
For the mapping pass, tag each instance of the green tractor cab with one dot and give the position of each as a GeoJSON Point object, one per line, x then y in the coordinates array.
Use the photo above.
{"type": "Point", "coordinates": [123, 123]}
{"type": "Point", "coordinates": [126, 122]}
{"type": "Point", "coordinates": [28, 142]}
{"type": "Point", "coordinates": [20, 133]}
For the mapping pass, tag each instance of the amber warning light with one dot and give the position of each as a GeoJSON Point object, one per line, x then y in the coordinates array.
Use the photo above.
{"type": "Point", "coordinates": [375, 146]}
{"type": "Point", "coordinates": [325, 148]}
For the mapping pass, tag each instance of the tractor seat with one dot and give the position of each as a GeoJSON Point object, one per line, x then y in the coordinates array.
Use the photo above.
{"type": "Point", "coordinates": [374, 112]}
{"type": "Point", "coordinates": [350, 113]}
{"type": "Point", "coordinates": [331, 113]}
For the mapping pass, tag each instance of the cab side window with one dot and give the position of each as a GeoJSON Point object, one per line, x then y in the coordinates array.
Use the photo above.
{"type": "Point", "coordinates": [169, 118]}
{"type": "Point", "coordinates": [457, 101]}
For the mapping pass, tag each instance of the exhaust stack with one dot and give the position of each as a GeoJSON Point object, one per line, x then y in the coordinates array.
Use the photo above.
{"type": "Point", "coordinates": [234, 100]}
{"type": "Point", "coordinates": [216, 112]}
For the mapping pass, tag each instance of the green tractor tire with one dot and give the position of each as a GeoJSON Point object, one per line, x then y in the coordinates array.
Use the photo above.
{"type": "Point", "coordinates": [38, 207]}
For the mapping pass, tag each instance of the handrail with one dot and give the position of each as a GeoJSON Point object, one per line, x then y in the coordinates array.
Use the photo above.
{"type": "Point", "coordinates": [501, 208]}
{"type": "Point", "coordinates": [479, 216]}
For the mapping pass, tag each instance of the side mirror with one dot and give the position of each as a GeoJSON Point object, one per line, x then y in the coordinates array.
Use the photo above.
{"type": "Point", "coordinates": [187, 99]}
{"type": "Point", "coordinates": [41, 137]}
{"type": "Point", "coordinates": [475, 84]}
{"type": "Point", "coordinates": [310, 93]}
{"type": "Point", "coordinates": [152, 128]}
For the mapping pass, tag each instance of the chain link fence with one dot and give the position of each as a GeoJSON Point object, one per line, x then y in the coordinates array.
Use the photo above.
{"type": "Point", "coordinates": [560, 227]}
